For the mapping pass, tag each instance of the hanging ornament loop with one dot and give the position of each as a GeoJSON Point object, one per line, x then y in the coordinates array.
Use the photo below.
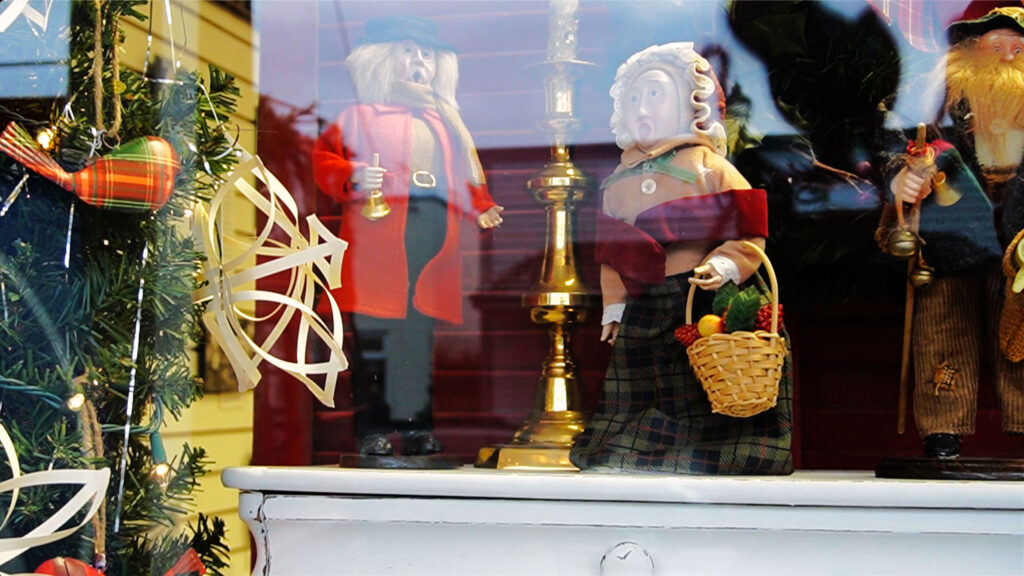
{"type": "Point", "coordinates": [97, 75]}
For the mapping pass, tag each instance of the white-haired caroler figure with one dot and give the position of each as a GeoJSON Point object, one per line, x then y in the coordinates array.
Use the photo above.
{"type": "Point", "coordinates": [673, 213]}
{"type": "Point", "coordinates": [402, 272]}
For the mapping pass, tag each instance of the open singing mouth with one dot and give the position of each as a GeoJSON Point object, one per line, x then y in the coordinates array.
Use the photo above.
{"type": "Point", "coordinates": [644, 129]}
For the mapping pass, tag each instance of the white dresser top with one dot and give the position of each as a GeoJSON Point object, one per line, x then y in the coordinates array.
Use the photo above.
{"type": "Point", "coordinates": [803, 488]}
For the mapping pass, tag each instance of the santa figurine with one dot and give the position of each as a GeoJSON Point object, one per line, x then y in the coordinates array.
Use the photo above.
{"type": "Point", "coordinates": [404, 150]}
{"type": "Point", "coordinates": [970, 197]}
{"type": "Point", "coordinates": [674, 213]}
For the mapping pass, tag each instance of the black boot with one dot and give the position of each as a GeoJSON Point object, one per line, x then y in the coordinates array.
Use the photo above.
{"type": "Point", "coordinates": [375, 445]}
{"type": "Point", "coordinates": [942, 445]}
{"type": "Point", "coordinates": [420, 443]}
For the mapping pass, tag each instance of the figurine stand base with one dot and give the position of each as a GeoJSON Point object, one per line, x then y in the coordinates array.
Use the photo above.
{"type": "Point", "coordinates": [525, 457]}
{"type": "Point", "coordinates": [952, 469]}
{"type": "Point", "coordinates": [428, 462]}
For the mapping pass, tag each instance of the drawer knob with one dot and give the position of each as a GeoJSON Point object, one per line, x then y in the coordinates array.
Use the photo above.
{"type": "Point", "coordinates": [627, 559]}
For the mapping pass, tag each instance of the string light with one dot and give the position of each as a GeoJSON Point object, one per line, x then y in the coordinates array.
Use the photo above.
{"type": "Point", "coordinates": [76, 401]}
{"type": "Point", "coordinates": [45, 138]}
{"type": "Point", "coordinates": [161, 472]}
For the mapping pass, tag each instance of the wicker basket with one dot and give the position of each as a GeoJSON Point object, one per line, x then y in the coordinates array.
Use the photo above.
{"type": "Point", "coordinates": [740, 371]}
{"type": "Point", "coordinates": [1011, 321]}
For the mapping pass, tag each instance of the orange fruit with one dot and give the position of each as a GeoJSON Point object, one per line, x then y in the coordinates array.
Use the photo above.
{"type": "Point", "coordinates": [710, 324]}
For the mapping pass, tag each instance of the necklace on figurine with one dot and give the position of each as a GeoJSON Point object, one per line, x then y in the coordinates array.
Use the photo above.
{"type": "Point", "coordinates": [660, 165]}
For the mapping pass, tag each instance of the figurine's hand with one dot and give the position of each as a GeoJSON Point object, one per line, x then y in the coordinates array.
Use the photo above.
{"type": "Point", "coordinates": [609, 332]}
{"type": "Point", "coordinates": [706, 277]}
{"type": "Point", "coordinates": [491, 218]}
{"type": "Point", "coordinates": [912, 186]}
{"type": "Point", "coordinates": [368, 178]}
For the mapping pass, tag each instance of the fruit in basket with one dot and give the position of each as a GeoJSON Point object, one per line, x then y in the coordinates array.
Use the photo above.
{"type": "Point", "coordinates": [710, 324]}
{"type": "Point", "coordinates": [687, 334]}
{"type": "Point", "coordinates": [742, 310]}
{"type": "Point", "coordinates": [764, 318]}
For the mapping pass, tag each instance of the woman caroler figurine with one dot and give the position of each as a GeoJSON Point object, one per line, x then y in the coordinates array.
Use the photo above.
{"type": "Point", "coordinates": [674, 213]}
{"type": "Point", "coordinates": [406, 170]}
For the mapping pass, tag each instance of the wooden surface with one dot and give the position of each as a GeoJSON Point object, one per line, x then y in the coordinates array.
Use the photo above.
{"type": "Point", "coordinates": [326, 520]}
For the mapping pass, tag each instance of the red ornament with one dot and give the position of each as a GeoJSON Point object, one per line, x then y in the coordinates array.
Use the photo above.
{"type": "Point", "coordinates": [61, 566]}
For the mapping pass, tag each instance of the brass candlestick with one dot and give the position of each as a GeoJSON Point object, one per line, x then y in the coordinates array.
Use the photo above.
{"type": "Point", "coordinates": [559, 299]}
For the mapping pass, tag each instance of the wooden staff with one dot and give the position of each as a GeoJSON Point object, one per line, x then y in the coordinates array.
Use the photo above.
{"type": "Point", "coordinates": [908, 323]}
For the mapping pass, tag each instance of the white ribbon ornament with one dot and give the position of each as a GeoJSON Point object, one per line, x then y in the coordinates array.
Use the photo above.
{"type": "Point", "coordinates": [93, 488]}
{"type": "Point", "coordinates": [17, 8]}
{"type": "Point", "coordinates": [322, 252]}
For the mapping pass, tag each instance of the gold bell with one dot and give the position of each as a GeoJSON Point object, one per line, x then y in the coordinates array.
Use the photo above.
{"type": "Point", "coordinates": [945, 195]}
{"type": "Point", "coordinates": [922, 275]}
{"type": "Point", "coordinates": [376, 207]}
{"type": "Point", "coordinates": [903, 244]}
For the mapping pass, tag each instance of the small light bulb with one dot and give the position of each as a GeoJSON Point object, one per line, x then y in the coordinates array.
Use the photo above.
{"type": "Point", "coordinates": [161, 474]}
{"type": "Point", "coordinates": [76, 401]}
{"type": "Point", "coordinates": [45, 138]}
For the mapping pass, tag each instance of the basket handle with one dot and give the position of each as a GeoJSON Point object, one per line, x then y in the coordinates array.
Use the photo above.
{"type": "Point", "coordinates": [772, 280]}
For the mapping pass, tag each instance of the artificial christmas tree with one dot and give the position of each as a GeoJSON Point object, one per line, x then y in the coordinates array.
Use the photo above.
{"type": "Point", "coordinates": [96, 311]}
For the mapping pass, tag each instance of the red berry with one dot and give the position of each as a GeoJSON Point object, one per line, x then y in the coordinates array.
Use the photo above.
{"type": "Point", "coordinates": [764, 318]}
{"type": "Point", "coordinates": [687, 334]}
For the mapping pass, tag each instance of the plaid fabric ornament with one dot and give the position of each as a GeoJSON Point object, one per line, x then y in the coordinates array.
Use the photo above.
{"type": "Point", "coordinates": [188, 564]}
{"type": "Point", "coordinates": [138, 175]}
{"type": "Point", "coordinates": [61, 566]}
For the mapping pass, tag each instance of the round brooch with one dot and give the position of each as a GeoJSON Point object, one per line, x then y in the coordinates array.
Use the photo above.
{"type": "Point", "coordinates": [648, 186]}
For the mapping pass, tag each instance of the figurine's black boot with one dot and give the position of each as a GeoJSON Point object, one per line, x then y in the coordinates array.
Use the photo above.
{"type": "Point", "coordinates": [420, 443]}
{"type": "Point", "coordinates": [375, 445]}
{"type": "Point", "coordinates": [942, 445]}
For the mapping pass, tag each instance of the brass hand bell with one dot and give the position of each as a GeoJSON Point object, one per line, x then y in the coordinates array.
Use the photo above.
{"type": "Point", "coordinates": [376, 207]}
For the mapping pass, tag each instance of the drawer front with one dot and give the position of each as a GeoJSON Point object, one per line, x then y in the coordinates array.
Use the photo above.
{"type": "Point", "coordinates": [310, 535]}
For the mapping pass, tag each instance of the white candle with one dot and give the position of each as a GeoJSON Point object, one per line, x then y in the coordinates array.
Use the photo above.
{"type": "Point", "coordinates": [562, 27]}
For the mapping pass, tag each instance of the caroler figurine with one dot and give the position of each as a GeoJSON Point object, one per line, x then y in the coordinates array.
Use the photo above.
{"type": "Point", "coordinates": [964, 198]}
{"type": "Point", "coordinates": [675, 212]}
{"type": "Point", "coordinates": [405, 169]}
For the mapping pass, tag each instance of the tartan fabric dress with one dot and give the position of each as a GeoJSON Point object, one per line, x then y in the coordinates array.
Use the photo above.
{"type": "Point", "coordinates": [654, 416]}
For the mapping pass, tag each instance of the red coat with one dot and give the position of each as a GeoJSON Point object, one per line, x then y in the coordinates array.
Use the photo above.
{"type": "Point", "coordinates": [374, 274]}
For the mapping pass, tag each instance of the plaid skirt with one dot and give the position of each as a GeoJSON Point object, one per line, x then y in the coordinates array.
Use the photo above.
{"type": "Point", "coordinates": [654, 416]}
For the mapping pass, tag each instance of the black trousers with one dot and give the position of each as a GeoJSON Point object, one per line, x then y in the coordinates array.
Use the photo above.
{"type": "Point", "coordinates": [392, 367]}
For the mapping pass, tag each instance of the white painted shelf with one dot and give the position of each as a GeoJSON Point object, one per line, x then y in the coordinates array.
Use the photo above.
{"type": "Point", "coordinates": [327, 520]}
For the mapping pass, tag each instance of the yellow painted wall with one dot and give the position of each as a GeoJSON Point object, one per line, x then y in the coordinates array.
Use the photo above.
{"type": "Point", "coordinates": [221, 423]}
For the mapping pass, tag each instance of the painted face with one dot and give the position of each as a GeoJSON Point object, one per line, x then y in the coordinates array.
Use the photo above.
{"type": "Point", "coordinates": [1009, 45]}
{"type": "Point", "coordinates": [652, 111]}
{"type": "Point", "coordinates": [415, 63]}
